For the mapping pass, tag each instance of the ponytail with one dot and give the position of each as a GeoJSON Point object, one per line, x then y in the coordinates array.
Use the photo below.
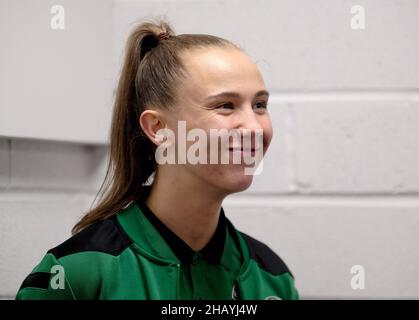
{"type": "Point", "coordinates": [151, 72]}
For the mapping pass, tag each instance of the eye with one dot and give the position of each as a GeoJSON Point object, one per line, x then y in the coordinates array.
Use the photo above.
{"type": "Point", "coordinates": [227, 105]}
{"type": "Point", "coordinates": [261, 105]}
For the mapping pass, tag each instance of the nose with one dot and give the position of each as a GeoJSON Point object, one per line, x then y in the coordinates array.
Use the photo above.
{"type": "Point", "coordinates": [248, 119]}
{"type": "Point", "coordinates": [249, 125]}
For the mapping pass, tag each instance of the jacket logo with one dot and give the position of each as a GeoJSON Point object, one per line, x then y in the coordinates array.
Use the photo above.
{"type": "Point", "coordinates": [272, 298]}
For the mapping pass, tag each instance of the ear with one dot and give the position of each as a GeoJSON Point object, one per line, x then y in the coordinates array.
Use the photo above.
{"type": "Point", "coordinates": [151, 121]}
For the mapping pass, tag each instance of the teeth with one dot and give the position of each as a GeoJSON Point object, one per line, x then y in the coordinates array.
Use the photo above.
{"type": "Point", "coordinates": [237, 149]}
{"type": "Point", "coordinates": [240, 148]}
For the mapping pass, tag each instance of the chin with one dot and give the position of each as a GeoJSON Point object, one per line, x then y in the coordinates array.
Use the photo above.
{"type": "Point", "coordinates": [235, 181]}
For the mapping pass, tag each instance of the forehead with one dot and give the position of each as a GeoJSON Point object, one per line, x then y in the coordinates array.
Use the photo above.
{"type": "Point", "coordinates": [212, 70]}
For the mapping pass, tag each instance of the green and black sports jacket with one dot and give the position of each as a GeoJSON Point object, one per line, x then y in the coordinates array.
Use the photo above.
{"type": "Point", "coordinates": [133, 255]}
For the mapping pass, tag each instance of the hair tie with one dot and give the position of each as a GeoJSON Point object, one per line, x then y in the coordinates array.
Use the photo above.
{"type": "Point", "coordinates": [150, 41]}
{"type": "Point", "coordinates": [162, 36]}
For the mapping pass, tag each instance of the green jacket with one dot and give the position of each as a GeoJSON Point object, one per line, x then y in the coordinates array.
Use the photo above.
{"type": "Point", "coordinates": [126, 257]}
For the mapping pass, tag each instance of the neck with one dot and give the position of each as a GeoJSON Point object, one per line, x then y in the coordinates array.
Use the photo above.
{"type": "Point", "coordinates": [190, 210]}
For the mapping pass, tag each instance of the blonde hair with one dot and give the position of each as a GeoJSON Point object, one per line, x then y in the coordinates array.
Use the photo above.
{"type": "Point", "coordinates": [151, 71]}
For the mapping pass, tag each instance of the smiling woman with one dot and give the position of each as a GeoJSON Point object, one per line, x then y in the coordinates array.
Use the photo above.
{"type": "Point", "coordinates": [159, 231]}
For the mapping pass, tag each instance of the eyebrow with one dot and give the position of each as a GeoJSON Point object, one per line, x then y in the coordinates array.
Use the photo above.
{"type": "Point", "coordinates": [236, 95]}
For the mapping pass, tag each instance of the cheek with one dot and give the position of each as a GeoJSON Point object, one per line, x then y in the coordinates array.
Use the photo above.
{"type": "Point", "coordinates": [267, 133]}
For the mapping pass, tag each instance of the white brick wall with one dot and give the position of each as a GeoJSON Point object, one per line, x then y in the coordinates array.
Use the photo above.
{"type": "Point", "coordinates": [340, 185]}
{"type": "Point", "coordinates": [44, 188]}
{"type": "Point", "coordinates": [344, 192]}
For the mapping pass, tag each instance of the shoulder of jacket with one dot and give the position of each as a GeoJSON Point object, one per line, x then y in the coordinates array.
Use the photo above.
{"type": "Point", "coordinates": [106, 236]}
{"type": "Point", "coordinates": [265, 257]}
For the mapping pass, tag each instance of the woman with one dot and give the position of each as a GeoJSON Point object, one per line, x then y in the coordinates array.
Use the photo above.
{"type": "Point", "coordinates": [159, 231]}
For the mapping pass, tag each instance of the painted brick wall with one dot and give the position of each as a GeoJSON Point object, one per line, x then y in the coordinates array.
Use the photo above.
{"type": "Point", "coordinates": [340, 185]}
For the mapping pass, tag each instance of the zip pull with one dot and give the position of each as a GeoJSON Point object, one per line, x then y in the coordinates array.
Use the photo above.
{"type": "Point", "coordinates": [235, 292]}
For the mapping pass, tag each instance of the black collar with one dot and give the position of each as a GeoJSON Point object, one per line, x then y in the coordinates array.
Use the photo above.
{"type": "Point", "coordinates": [212, 252]}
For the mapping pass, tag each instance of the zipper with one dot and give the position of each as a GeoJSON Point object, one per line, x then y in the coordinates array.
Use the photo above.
{"type": "Point", "coordinates": [236, 293]}
{"type": "Point", "coordinates": [177, 280]}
